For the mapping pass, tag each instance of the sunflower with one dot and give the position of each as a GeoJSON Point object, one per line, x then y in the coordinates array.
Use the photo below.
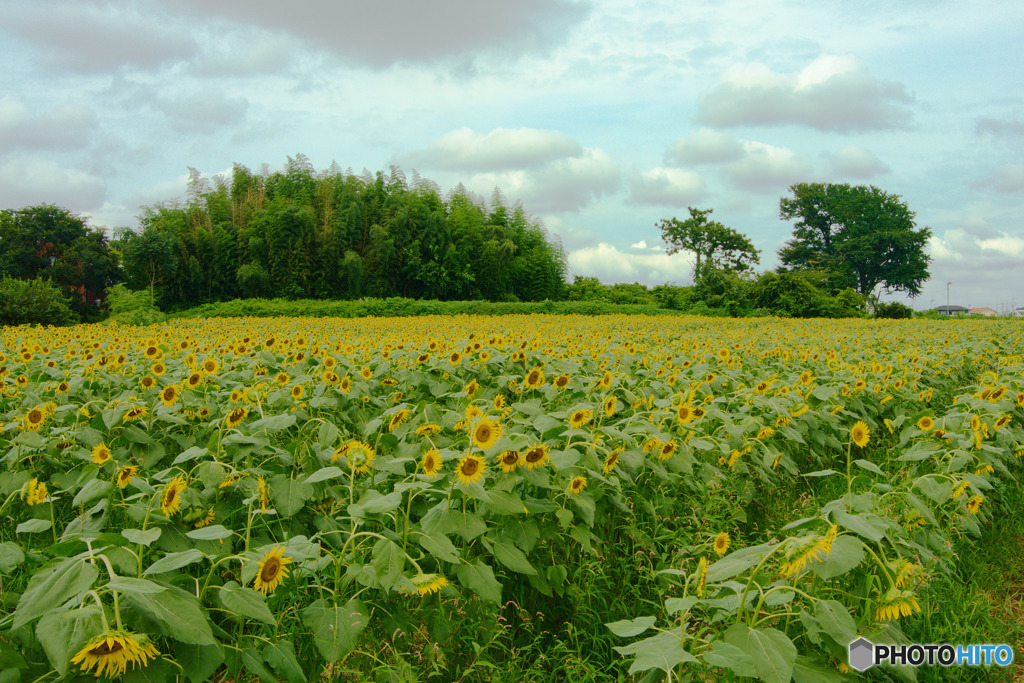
{"type": "Point", "coordinates": [125, 475]}
{"type": "Point", "coordinates": [809, 550]}
{"type": "Point", "coordinates": [148, 382]}
{"type": "Point", "coordinates": [298, 391]}
{"type": "Point", "coordinates": [428, 429]}
{"type": "Point", "coordinates": [454, 357]}
{"type": "Point", "coordinates": [272, 570]}
{"type": "Point", "coordinates": [562, 381]}
{"type": "Point", "coordinates": [536, 456]}
{"type": "Point", "coordinates": [169, 395]}
{"type": "Point", "coordinates": [684, 413]}
{"type": "Point", "coordinates": [100, 454]}
{"type": "Point", "coordinates": [652, 444]}
{"type": "Point", "coordinates": [207, 520]}
{"type": "Point", "coordinates": [158, 369]}
{"type": "Point", "coordinates": [765, 433]}
{"type": "Point", "coordinates": [510, 460]}
{"type": "Point", "coordinates": [486, 433]}
{"type": "Point", "coordinates": [235, 417]}
{"type": "Point", "coordinates": [860, 434]}
{"type": "Point", "coordinates": [358, 456]}
{"type": "Point", "coordinates": [895, 604]}
{"type": "Point", "coordinates": [702, 574]}
{"type": "Point", "coordinates": [605, 381]}
{"type": "Point", "coordinates": [1003, 421]}
{"type": "Point", "coordinates": [534, 379]}
{"type": "Point", "coordinates": [612, 460]}
{"type": "Point", "coordinates": [34, 419]}
{"type": "Point", "coordinates": [425, 584]}
{"type": "Point", "coordinates": [471, 469]}
{"type": "Point", "coordinates": [397, 419]}
{"type": "Point", "coordinates": [499, 402]}
{"type": "Point", "coordinates": [580, 417]}
{"type": "Point", "coordinates": [430, 463]}
{"type": "Point", "coordinates": [63, 388]}
{"type": "Point", "coordinates": [577, 485]}
{"type": "Point", "coordinates": [471, 388]}
{"type": "Point", "coordinates": [974, 504]}
{"type": "Point", "coordinates": [170, 499]}
{"type": "Point", "coordinates": [721, 543]}
{"type": "Point", "coordinates": [262, 486]}
{"type": "Point", "coordinates": [668, 449]}
{"type": "Point", "coordinates": [210, 366]}
{"type": "Point", "coordinates": [282, 378]}
{"type": "Point", "coordinates": [112, 652]}
{"type": "Point", "coordinates": [926, 423]}
{"type": "Point", "coordinates": [194, 380]}
{"type": "Point", "coordinates": [610, 405]}
{"type": "Point", "coordinates": [136, 413]}
{"type": "Point", "coordinates": [366, 372]}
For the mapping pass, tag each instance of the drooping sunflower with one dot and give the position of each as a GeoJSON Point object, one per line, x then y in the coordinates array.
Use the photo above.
{"type": "Point", "coordinates": [536, 456]}
{"type": "Point", "coordinates": [207, 520]}
{"type": "Point", "coordinates": [668, 449]}
{"type": "Point", "coordinates": [428, 429]}
{"type": "Point", "coordinates": [610, 405]}
{"type": "Point", "coordinates": [111, 653]}
{"type": "Point", "coordinates": [397, 419]}
{"type": "Point", "coordinates": [722, 541]}
{"type": "Point", "coordinates": [272, 570]}
{"type": "Point", "coordinates": [702, 574]}
{"type": "Point", "coordinates": [136, 413]}
{"type": "Point", "coordinates": [235, 417]}
{"type": "Point", "coordinates": [577, 485]}
{"type": "Point", "coordinates": [925, 424]}
{"type": "Point", "coordinates": [510, 460]}
{"type": "Point", "coordinates": [125, 475]}
{"type": "Point", "coordinates": [426, 584]}
{"type": "Point", "coordinates": [262, 486]}
{"type": "Point", "coordinates": [612, 460]}
{"type": "Point", "coordinates": [860, 434]}
{"type": "Point", "coordinates": [430, 463]}
{"type": "Point", "coordinates": [765, 433]}
{"type": "Point", "coordinates": [974, 504]}
{"type": "Point", "coordinates": [100, 454]}
{"type": "Point", "coordinates": [358, 456]}
{"type": "Point", "coordinates": [170, 498]}
{"type": "Point", "coordinates": [486, 433]}
{"type": "Point", "coordinates": [580, 417]}
{"type": "Point", "coordinates": [895, 604]}
{"type": "Point", "coordinates": [34, 419]}
{"type": "Point", "coordinates": [471, 469]}
{"type": "Point", "coordinates": [534, 379]}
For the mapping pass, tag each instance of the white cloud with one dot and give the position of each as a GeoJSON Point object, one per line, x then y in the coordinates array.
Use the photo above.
{"type": "Point", "coordinates": [608, 264]}
{"type": "Point", "coordinates": [765, 168]}
{"type": "Point", "coordinates": [665, 186]}
{"type": "Point", "coordinates": [1005, 178]}
{"type": "Point", "coordinates": [642, 244]}
{"type": "Point", "coordinates": [500, 149]}
{"type": "Point", "coordinates": [854, 162]}
{"type": "Point", "coordinates": [833, 93]}
{"type": "Point", "coordinates": [66, 127]}
{"type": "Point", "coordinates": [705, 146]}
{"type": "Point", "coordinates": [26, 181]}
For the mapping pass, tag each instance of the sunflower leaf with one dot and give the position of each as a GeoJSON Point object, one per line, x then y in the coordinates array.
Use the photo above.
{"type": "Point", "coordinates": [173, 561]}
{"type": "Point", "coordinates": [335, 630]}
{"type": "Point", "coordinates": [245, 602]}
{"type": "Point", "coordinates": [172, 612]}
{"type": "Point", "coordinates": [62, 634]}
{"type": "Point", "coordinates": [52, 587]}
{"type": "Point", "coordinates": [281, 657]}
{"type": "Point", "coordinates": [479, 578]}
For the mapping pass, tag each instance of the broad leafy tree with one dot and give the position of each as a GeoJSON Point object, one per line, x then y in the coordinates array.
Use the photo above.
{"type": "Point", "coordinates": [861, 236]}
{"type": "Point", "coordinates": [715, 246]}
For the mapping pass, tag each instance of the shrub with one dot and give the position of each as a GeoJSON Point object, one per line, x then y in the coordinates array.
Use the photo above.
{"type": "Point", "coordinates": [893, 310]}
{"type": "Point", "coordinates": [129, 307]}
{"type": "Point", "coordinates": [33, 302]}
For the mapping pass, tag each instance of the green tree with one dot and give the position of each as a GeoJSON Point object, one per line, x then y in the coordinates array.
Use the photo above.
{"type": "Point", "coordinates": [149, 258]}
{"type": "Point", "coordinates": [715, 246]}
{"type": "Point", "coordinates": [864, 237]}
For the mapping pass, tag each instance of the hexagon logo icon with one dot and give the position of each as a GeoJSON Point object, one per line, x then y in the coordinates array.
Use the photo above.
{"type": "Point", "coordinates": [862, 654]}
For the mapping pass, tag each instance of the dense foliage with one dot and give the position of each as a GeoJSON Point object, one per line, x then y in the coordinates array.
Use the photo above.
{"type": "Point", "coordinates": [336, 235]}
{"type": "Point", "coordinates": [34, 301]}
{"type": "Point", "coordinates": [471, 498]}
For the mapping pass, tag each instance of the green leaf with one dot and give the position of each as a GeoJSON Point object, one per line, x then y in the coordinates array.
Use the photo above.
{"type": "Point", "coordinates": [807, 670]}
{"type": "Point", "coordinates": [141, 537]}
{"type": "Point", "coordinates": [505, 503]}
{"type": "Point", "coordinates": [868, 525]}
{"type": "Point", "coordinates": [820, 473]}
{"type": "Point", "coordinates": [730, 657]}
{"type": "Point", "coordinates": [199, 661]}
{"type": "Point", "coordinates": [245, 602]}
{"type": "Point", "coordinates": [676, 605]}
{"type": "Point", "coordinates": [173, 613]}
{"type": "Point", "coordinates": [479, 578]}
{"type": "Point", "coordinates": [214, 532]}
{"type": "Point", "coordinates": [465, 524]}
{"type": "Point", "coordinates": [323, 474]}
{"type": "Point", "coordinates": [173, 561]}
{"type": "Point", "coordinates": [439, 546]}
{"type": "Point", "coordinates": [129, 585]}
{"type": "Point", "coordinates": [136, 435]}
{"type": "Point", "coordinates": [736, 563]}
{"type": "Point", "coordinates": [836, 621]}
{"type": "Point", "coordinates": [288, 494]}
{"type": "Point", "coordinates": [771, 650]}
{"type": "Point", "coordinates": [274, 423]}
{"type": "Point", "coordinates": [869, 466]}
{"type": "Point", "coordinates": [847, 552]}
{"type": "Point", "coordinates": [335, 630]}
{"type": "Point", "coordinates": [512, 557]}
{"type": "Point", "coordinates": [252, 660]}
{"type": "Point", "coordinates": [372, 502]}
{"type": "Point", "coordinates": [190, 454]}
{"type": "Point", "coordinates": [93, 489]}
{"type": "Point", "coordinates": [388, 562]}
{"type": "Point", "coordinates": [52, 586]}
{"type": "Point", "coordinates": [33, 526]}
{"type": "Point", "coordinates": [63, 634]}
{"type": "Point", "coordinates": [939, 491]}
{"type": "Point", "coordinates": [10, 556]}
{"type": "Point", "coordinates": [629, 628]}
{"type": "Point", "coordinates": [281, 657]}
{"type": "Point", "coordinates": [661, 651]}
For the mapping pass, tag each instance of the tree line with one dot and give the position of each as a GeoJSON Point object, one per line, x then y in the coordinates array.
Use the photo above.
{"type": "Point", "coordinates": [300, 234]}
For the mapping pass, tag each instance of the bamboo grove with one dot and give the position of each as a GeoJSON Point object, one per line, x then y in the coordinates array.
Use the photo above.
{"type": "Point", "coordinates": [297, 233]}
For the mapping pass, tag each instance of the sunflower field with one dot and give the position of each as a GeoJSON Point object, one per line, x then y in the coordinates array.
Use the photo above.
{"type": "Point", "coordinates": [491, 498]}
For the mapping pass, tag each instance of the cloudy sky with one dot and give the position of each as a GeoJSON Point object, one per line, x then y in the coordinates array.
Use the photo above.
{"type": "Point", "coordinates": [601, 116]}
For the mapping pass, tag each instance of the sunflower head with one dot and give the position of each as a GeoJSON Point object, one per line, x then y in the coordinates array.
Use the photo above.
{"type": "Point", "coordinates": [425, 584]}
{"type": "Point", "coordinates": [170, 498]}
{"type": "Point", "coordinates": [111, 653]}
{"type": "Point", "coordinates": [860, 434]}
{"type": "Point", "coordinates": [577, 485]}
{"type": "Point", "coordinates": [612, 460]}
{"type": "Point", "coordinates": [34, 419]}
{"type": "Point", "coordinates": [169, 395]}
{"type": "Point", "coordinates": [536, 456]}
{"type": "Point", "coordinates": [486, 433]}
{"type": "Point", "coordinates": [925, 424]}
{"type": "Point", "coordinates": [235, 417]}
{"type": "Point", "coordinates": [430, 463]}
{"type": "Point", "coordinates": [397, 419]}
{"type": "Point", "coordinates": [125, 475]}
{"type": "Point", "coordinates": [580, 417]}
{"type": "Point", "coordinates": [974, 504]}
{"type": "Point", "coordinates": [510, 460]}
{"type": "Point", "coordinates": [534, 379]}
{"type": "Point", "coordinates": [100, 454]}
{"type": "Point", "coordinates": [358, 456]}
{"type": "Point", "coordinates": [471, 469]}
{"type": "Point", "coordinates": [722, 541]}
{"type": "Point", "coordinates": [136, 413]}
{"type": "Point", "coordinates": [668, 449]}
{"type": "Point", "coordinates": [272, 570]}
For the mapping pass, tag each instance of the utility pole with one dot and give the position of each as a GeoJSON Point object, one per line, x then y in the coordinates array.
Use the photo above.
{"type": "Point", "coordinates": [947, 296]}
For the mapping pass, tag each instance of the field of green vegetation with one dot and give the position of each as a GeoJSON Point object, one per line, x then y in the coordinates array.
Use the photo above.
{"type": "Point", "coordinates": [506, 498]}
